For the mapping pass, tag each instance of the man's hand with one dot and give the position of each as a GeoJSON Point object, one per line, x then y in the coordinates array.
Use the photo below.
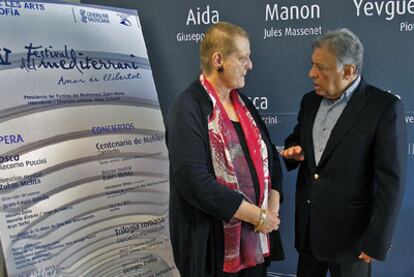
{"type": "Point", "coordinates": [365, 257]}
{"type": "Point", "coordinates": [294, 153]}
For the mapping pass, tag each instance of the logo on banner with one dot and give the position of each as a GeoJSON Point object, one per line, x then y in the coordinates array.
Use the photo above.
{"type": "Point", "coordinates": [93, 17]}
{"type": "Point", "coordinates": [124, 19]}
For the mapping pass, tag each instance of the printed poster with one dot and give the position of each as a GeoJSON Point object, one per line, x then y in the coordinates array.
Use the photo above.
{"type": "Point", "coordinates": [83, 162]}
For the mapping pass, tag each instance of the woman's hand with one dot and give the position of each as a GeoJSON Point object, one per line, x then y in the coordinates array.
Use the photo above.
{"type": "Point", "coordinates": [251, 213]}
{"type": "Point", "coordinates": [271, 223]}
{"type": "Point", "coordinates": [274, 202]}
{"type": "Point", "coordinates": [272, 212]}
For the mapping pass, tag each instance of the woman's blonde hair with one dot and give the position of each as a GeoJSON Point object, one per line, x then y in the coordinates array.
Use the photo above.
{"type": "Point", "coordinates": [219, 38]}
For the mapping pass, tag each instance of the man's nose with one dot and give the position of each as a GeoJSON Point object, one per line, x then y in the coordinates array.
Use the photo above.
{"type": "Point", "coordinates": [312, 72]}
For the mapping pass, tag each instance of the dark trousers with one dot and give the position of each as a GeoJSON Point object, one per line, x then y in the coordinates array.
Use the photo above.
{"type": "Point", "coordinates": [257, 271]}
{"type": "Point", "coordinates": [309, 266]}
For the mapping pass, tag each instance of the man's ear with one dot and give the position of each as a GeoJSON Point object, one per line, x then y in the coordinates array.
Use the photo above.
{"type": "Point", "coordinates": [349, 71]}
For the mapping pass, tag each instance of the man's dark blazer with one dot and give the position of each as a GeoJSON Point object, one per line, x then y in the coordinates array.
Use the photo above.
{"type": "Point", "coordinates": [349, 202]}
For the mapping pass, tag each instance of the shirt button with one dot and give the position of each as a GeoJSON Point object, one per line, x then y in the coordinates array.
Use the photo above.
{"type": "Point", "coordinates": [316, 176]}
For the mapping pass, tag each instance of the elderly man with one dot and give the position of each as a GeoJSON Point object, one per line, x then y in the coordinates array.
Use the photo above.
{"type": "Point", "coordinates": [349, 144]}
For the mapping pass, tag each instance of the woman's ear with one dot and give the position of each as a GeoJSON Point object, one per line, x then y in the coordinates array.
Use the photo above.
{"type": "Point", "coordinates": [217, 60]}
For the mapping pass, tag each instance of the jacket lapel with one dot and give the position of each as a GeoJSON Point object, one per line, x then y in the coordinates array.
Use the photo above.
{"type": "Point", "coordinates": [309, 116]}
{"type": "Point", "coordinates": [348, 118]}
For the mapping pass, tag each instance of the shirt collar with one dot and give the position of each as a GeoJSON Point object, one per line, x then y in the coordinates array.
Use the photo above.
{"type": "Point", "coordinates": [347, 94]}
{"type": "Point", "coordinates": [350, 90]}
